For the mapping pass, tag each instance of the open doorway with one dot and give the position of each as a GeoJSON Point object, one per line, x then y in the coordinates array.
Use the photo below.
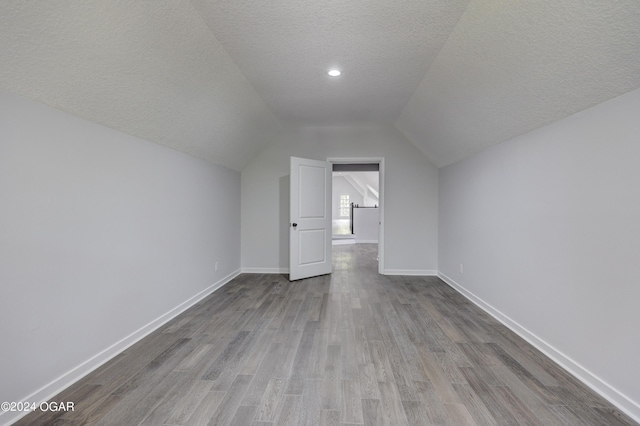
{"type": "Point", "coordinates": [354, 202]}
{"type": "Point", "coordinates": [357, 202]}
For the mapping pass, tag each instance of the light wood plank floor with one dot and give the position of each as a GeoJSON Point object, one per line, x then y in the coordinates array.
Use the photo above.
{"type": "Point", "coordinates": [346, 349]}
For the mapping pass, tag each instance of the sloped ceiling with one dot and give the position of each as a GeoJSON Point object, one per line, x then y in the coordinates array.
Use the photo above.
{"type": "Point", "coordinates": [218, 78]}
{"type": "Point", "coordinates": [285, 48]}
{"type": "Point", "coordinates": [152, 69]}
{"type": "Point", "coordinates": [361, 180]}
{"type": "Point", "coordinates": [512, 66]}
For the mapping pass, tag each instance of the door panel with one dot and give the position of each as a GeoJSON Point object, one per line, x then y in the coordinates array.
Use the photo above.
{"type": "Point", "coordinates": [312, 246]}
{"type": "Point", "coordinates": [312, 198]}
{"type": "Point", "coordinates": [310, 218]}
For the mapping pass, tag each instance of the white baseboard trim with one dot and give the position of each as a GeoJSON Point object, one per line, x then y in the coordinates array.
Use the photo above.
{"type": "Point", "coordinates": [265, 270]}
{"type": "Point", "coordinates": [413, 272]}
{"type": "Point", "coordinates": [56, 386]}
{"type": "Point", "coordinates": [617, 398]}
{"type": "Point", "coordinates": [366, 241]}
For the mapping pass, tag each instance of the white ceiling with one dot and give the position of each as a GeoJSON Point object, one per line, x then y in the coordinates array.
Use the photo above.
{"type": "Point", "coordinates": [361, 180]}
{"type": "Point", "coordinates": [152, 69]}
{"type": "Point", "coordinates": [218, 78]}
{"type": "Point", "coordinates": [285, 48]}
{"type": "Point", "coordinates": [512, 66]}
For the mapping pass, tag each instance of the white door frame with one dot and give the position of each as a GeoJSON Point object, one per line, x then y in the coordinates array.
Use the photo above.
{"type": "Point", "coordinates": [380, 162]}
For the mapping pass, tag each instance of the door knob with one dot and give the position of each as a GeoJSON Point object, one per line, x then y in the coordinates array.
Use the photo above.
{"type": "Point", "coordinates": [294, 225]}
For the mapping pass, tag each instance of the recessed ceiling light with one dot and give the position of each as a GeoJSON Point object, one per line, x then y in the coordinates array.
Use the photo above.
{"type": "Point", "coordinates": [334, 73]}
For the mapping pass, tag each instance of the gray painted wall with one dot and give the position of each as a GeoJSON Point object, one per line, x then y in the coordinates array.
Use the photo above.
{"type": "Point", "coordinates": [410, 188]}
{"type": "Point", "coordinates": [101, 233]}
{"type": "Point", "coordinates": [547, 227]}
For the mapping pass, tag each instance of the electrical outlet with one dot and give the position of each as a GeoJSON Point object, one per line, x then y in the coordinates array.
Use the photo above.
{"type": "Point", "coordinates": [217, 266]}
{"type": "Point", "coordinates": [461, 269]}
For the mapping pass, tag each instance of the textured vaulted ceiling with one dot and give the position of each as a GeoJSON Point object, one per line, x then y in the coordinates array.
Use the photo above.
{"type": "Point", "coordinates": [512, 66]}
{"type": "Point", "coordinates": [285, 48]}
{"type": "Point", "coordinates": [152, 69]}
{"type": "Point", "coordinates": [218, 78]}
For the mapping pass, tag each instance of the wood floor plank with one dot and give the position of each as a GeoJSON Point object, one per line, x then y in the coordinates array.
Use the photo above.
{"type": "Point", "coordinates": [481, 362]}
{"type": "Point", "coordinates": [457, 414]}
{"type": "Point", "coordinates": [264, 374]}
{"type": "Point", "coordinates": [488, 396]}
{"type": "Point", "coordinates": [136, 405]}
{"type": "Point", "coordinates": [205, 410]}
{"type": "Point", "coordinates": [94, 404]}
{"type": "Point", "coordinates": [271, 399]}
{"type": "Point", "coordinates": [83, 397]}
{"type": "Point", "coordinates": [225, 357]}
{"type": "Point", "coordinates": [475, 406]}
{"type": "Point", "coordinates": [136, 358]}
{"type": "Point", "coordinates": [349, 355]}
{"type": "Point", "coordinates": [231, 401]}
{"type": "Point", "coordinates": [350, 348]}
{"type": "Point", "coordinates": [255, 356]}
{"type": "Point", "coordinates": [416, 413]}
{"type": "Point", "coordinates": [167, 405]}
{"type": "Point", "coordinates": [391, 405]}
{"type": "Point", "coordinates": [314, 309]}
{"type": "Point", "coordinates": [329, 418]}
{"type": "Point", "coordinates": [152, 371]}
{"type": "Point", "coordinates": [192, 359]}
{"type": "Point", "coordinates": [542, 371]}
{"type": "Point", "coordinates": [438, 378]}
{"type": "Point", "coordinates": [351, 402]}
{"type": "Point", "coordinates": [516, 407]}
{"type": "Point", "coordinates": [398, 362]}
{"type": "Point", "coordinates": [311, 402]}
{"type": "Point", "coordinates": [381, 363]}
{"type": "Point", "coordinates": [185, 407]}
{"type": "Point", "coordinates": [430, 403]}
{"type": "Point", "coordinates": [332, 385]}
{"type": "Point", "coordinates": [448, 367]}
{"type": "Point", "coordinates": [363, 355]}
{"type": "Point", "coordinates": [318, 356]}
{"type": "Point", "coordinates": [291, 343]}
{"type": "Point", "coordinates": [290, 411]}
{"type": "Point", "coordinates": [244, 415]}
{"type": "Point", "coordinates": [301, 360]}
{"type": "Point", "coordinates": [236, 363]}
{"type": "Point", "coordinates": [368, 381]}
{"type": "Point", "coordinates": [565, 416]}
{"type": "Point", "coordinates": [302, 316]}
{"type": "Point", "coordinates": [527, 396]}
{"type": "Point", "coordinates": [372, 412]}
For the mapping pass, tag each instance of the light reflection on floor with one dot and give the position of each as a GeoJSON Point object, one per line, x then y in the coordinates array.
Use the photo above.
{"type": "Point", "coordinates": [341, 227]}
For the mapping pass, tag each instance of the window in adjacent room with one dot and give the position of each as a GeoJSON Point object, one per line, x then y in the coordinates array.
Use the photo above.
{"type": "Point", "coordinates": [344, 206]}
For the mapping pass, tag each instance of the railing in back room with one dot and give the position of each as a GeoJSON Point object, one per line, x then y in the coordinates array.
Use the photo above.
{"type": "Point", "coordinates": [356, 206]}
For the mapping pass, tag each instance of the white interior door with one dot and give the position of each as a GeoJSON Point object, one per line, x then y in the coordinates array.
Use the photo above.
{"type": "Point", "coordinates": [309, 218]}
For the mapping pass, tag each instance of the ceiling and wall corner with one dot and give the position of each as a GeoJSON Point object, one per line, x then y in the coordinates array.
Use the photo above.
{"type": "Point", "coordinates": [149, 69]}
{"type": "Point", "coordinates": [509, 67]}
{"type": "Point", "coordinates": [217, 79]}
